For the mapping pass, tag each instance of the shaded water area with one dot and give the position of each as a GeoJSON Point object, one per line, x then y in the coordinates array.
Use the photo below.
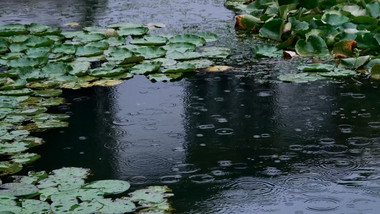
{"type": "Point", "coordinates": [224, 142]}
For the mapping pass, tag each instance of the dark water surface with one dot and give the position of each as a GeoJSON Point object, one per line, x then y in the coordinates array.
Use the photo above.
{"type": "Point", "coordinates": [225, 143]}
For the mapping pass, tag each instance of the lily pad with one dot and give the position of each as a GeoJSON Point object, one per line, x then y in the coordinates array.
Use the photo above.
{"type": "Point", "coordinates": [35, 206]}
{"type": "Point", "coordinates": [209, 37]}
{"type": "Point", "coordinates": [79, 68]}
{"type": "Point", "coordinates": [150, 40]}
{"type": "Point", "coordinates": [109, 187]}
{"type": "Point", "coordinates": [179, 68]}
{"type": "Point", "coordinates": [8, 168]}
{"type": "Point", "coordinates": [180, 47]}
{"type": "Point", "coordinates": [89, 51]}
{"type": "Point", "coordinates": [315, 46]}
{"type": "Point", "coordinates": [317, 68]}
{"type": "Point", "coordinates": [193, 39]}
{"type": "Point", "coordinates": [17, 189]}
{"type": "Point", "coordinates": [25, 158]}
{"type": "Point", "coordinates": [216, 52]}
{"type": "Point", "coordinates": [145, 68]}
{"type": "Point", "coordinates": [149, 52]}
{"type": "Point", "coordinates": [138, 31]}
{"type": "Point", "coordinates": [183, 56]}
{"type": "Point", "coordinates": [354, 63]}
{"type": "Point", "coordinates": [200, 63]}
{"type": "Point", "coordinates": [299, 78]}
{"type": "Point", "coordinates": [116, 206]}
{"type": "Point", "coordinates": [272, 29]}
{"type": "Point", "coordinates": [266, 51]}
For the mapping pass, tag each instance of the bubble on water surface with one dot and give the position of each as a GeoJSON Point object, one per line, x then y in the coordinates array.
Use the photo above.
{"type": "Point", "coordinates": [170, 179]}
{"type": "Point", "coordinates": [185, 168]}
{"type": "Point", "coordinates": [201, 178]}
{"type": "Point", "coordinates": [322, 204]}
{"type": "Point", "coordinates": [224, 131]}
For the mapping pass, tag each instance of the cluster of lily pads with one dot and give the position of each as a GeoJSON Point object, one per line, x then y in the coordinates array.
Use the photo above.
{"type": "Point", "coordinates": [324, 29]}
{"type": "Point", "coordinates": [65, 191]}
{"type": "Point", "coordinates": [38, 61]}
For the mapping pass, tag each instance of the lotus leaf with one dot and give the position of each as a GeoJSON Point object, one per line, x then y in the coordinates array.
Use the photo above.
{"type": "Point", "coordinates": [79, 68]}
{"type": "Point", "coordinates": [145, 68]}
{"type": "Point", "coordinates": [12, 29]}
{"type": "Point", "coordinates": [32, 178]}
{"type": "Point", "coordinates": [101, 45]}
{"type": "Point", "coordinates": [96, 30]}
{"type": "Point", "coordinates": [150, 195]}
{"type": "Point", "coordinates": [116, 206]}
{"type": "Point", "coordinates": [19, 92]}
{"type": "Point", "coordinates": [298, 26]}
{"type": "Point", "coordinates": [375, 71]}
{"type": "Point", "coordinates": [150, 40]}
{"type": "Point", "coordinates": [164, 77]}
{"type": "Point", "coordinates": [315, 46]}
{"type": "Point", "coordinates": [125, 25]}
{"type": "Point", "coordinates": [24, 62]}
{"type": "Point", "coordinates": [316, 68]}
{"type": "Point", "coordinates": [334, 19]}
{"type": "Point", "coordinates": [35, 206]}
{"type": "Point", "coordinates": [138, 31]}
{"type": "Point", "coordinates": [216, 52]}
{"type": "Point", "coordinates": [46, 193]}
{"type": "Point", "coordinates": [18, 189]}
{"type": "Point", "coordinates": [338, 73]}
{"type": "Point", "coordinates": [344, 48]}
{"type": "Point", "coordinates": [110, 82]}
{"type": "Point", "coordinates": [25, 158]}
{"type": "Point", "coordinates": [106, 72]}
{"type": "Point", "coordinates": [16, 48]}
{"type": "Point", "coordinates": [65, 49]}
{"type": "Point", "coordinates": [354, 63]}
{"type": "Point", "coordinates": [118, 53]}
{"type": "Point", "coordinates": [149, 52]}
{"type": "Point", "coordinates": [180, 47]}
{"type": "Point", "coordinates": [200, 63]}
{"type": "Point", "coordinates": [299, 78]}
{"type": "Point", "coordinates": [272, 29]}
{"type": "Point", "coordinates": [116, 41]}
{"type": "Point", "coordinates": [48, 92]}
{"type": "Point", "coordinates": [179, 68]}
{"type": "Point", "coordinates": [8, 168]}
{"type": "Point", "coordinates": [367, 40]}
{"type": "Point", "coordinates": [38, 42]}
{"type": "Point", "coordinates": [193, 39]}
{"type": "Point", "coordinates": [87, 38]}
{"type": "Point", "coordinates": [266, 51]}
{"type": "Point", "coordinates": [82, 194]}
{"type": "Point", "coordinates": [14, 147]}
{"type": "Point", "coordinates": [209, 37]}
{"type": "Point", "coordinates": [89, 51]}
{"type": "Point", "coordinates": [165, 62]}
{"type": "Point", "coordinates": [374, 9]}
{"type": "Point", "coordinates": [184, 56]}
{"type": "Point", "coordinates": [109, 186]}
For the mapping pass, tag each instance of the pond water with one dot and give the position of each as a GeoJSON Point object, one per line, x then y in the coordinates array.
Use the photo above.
{"type": "Point", "coordinates": [224, 142]}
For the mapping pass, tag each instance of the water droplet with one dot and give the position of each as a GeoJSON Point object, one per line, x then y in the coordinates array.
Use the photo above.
{"type": "Point", "coordinates": [224, 131]}
{"type": "Point", "coordinates": [322, 204]}
{"type": "Point", "coordinates": [170, 179]}
{"type": "Point", "coordinates": [201, 178]}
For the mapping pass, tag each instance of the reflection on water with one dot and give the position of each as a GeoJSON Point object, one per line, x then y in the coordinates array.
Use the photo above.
{"type": "Point", "coordinates": [225, 144]}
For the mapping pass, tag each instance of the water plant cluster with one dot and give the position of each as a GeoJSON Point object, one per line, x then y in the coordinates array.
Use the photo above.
{"type": "Point", "coordinates": [65, 191]}
{"type": "Point", "coordinates": [37, 62]}
{"type": "Point", "coordinates": [346, 31]}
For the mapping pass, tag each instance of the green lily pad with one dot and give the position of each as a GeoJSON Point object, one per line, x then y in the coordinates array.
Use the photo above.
{"type": "Point", "coordinates": [116, 41]}
{"type": "Point", "coordinates": [46, 193]}
{"type": "Point", "coordinates": [18, 189]}
{"type": "Point", "coordinates": [8, 168]}
{"type": "Point", "coordinates": [12, 148]}
{"type": "Point", "coordinates": [354, 63]}
{"type": "Point", "coordinates": [82, 194]}
{"type": "Point", "coordinates": [55, 69]}
{"type": "Point", "coordinates": [266, 51]}
{"type": "Point", "coordinates": [106, 72]}
{"type": "Point", "coordinates": [375, 72]}
{"type": "Point", "coordinates": [20, 92]}
{"type": "Point", "coordinates": [89, 51]}
{"type": "Point", "coordinates": [32, 178]}
{"type": "Point", "coordinates": [38, 42]}
{"type": "Point", "coordinates": [315, 46]}
{"type": "Point", "coordinates": [373, 9]}
{"type": "Point", "coordinates": [199, 63]}
{"type": "Point", "coordinates": [109, 187]}
{"type": "Point", "coordinates": [72, 172]}
{"type": "Point", "coordinates": [334, 19]}
{"type": "Point", "coordinates": [179, 68]}
{"type": "Point", "coordinates": [101, 45]}
{"type": "Point", "coordinates": [272, 29]}
{"type": "Point", "coordinates": [193, 39]}
{"type": "Point", "coordinates": [79, 68]}
{"type": "Point", "coordinates": [149, 52]}
{"type": "Point", "coordinates": [145, 68]}
{"type": "Point", "coordinates": [16, 48]}
{"type": "Point", "coordinates": [150, 40]}
{"type": "Point", "coordinates": [35, 206]}
{"type": "Point", "coordinates": [125, 25]}
{"type": "Point", "coordinates": [298, 26]}
{"type": "Point", "coordinates": [299, 78]}
{"type": "Point", "coordinates": [183, 56]}
{"type": "Point", "coordinates": [180, 47]}
{"type": "Point", "coordinates": [12, 29]}
{"type": "Point", "coordinates": [247, 22]}
{"type": "Point", "coordinates": [165, 62]}
{"type": "Point", "coordinates": [25, 158]}
{"type": "Point", "coordinates": [87, 38]}
{"type": "Point", "coordinates": [65, 49]}
{"type": "Point", "coordinates": [216, 52]}
{"type": "Point", "coordinates": [338, 73]}
{"type": "Point", "coordinates": [48, 92]}
{"type": "Point", "coordinates": [316, 68]}
{"type": "Point", "coordinates": [138, 31]}
{"type": "Point", "coordinates": [150, 195]}
{"type": "Point", "coordinates": [209, 37]}
{"type": "Point", "coordinates": [72, 206]}
{"type": "Point", "coordinates": [118, 53]}
{"type": "Point", "coordinates": [116, 206]}
{"type": "Point", "coordinates": [24, 62]}
{"type": "Point", "coordinates": [164, 77]}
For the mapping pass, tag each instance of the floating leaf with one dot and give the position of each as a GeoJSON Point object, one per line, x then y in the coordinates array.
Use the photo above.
{"type": "Point", "coordinates": [375, 71]}
{"type": "Point", "coordinates": [183, 56]}
{"type": "Point", "coordinates": [82, 194]}
{"type": "Point", "coordinates": [299, 78]}
{"type": "Point", "coordinates": [79, 68]}
{"type": "Point", "coordinates": [89, 51]}
{"type": "Point", "coordinates": [164, 77]}
{"type": "Point", "coordinates": [107, 83]}
{"type": "Point", "coordinates": [338, 73]}
{"type": "Point", "coordinates": [209, 37]}
{"type": "Point", "coordinates": [17, 189]}
{"type": "Point", "coordinates": [193, 39]}
{"type": "Point", "coordinates": [272, 29]}
{"type": "Point", "coordinates": [138, 31]}
{"type": "Point", "coordinates": [25, 158]}
{"type": "Point", "coordinates": [65, 49]}
{"type": "Point", "coordinates": [87, 38]}
{"type": "Point", "coordinates": [345, 48]}
{"type": "Point", "coordinates": [125, 25]}
{"type": "Point", "coordinates": [8, 168]}
{"type": "Point", "coordinates": [216, 52]}
{"type": "Point", "coordinates": [316, 68]}
{"type": "Point", "coordinates": [354, 63]}
{"type": "Point", "coordinates": [180, 47]}
{"type": "Point", "coordinates": [315, 46]}
{"type": "Point", "coordinates": [109, 187]}
{"type": "Point", "coordinates": [35, 206]}
{"type": "Point", "coordinates": [150, 40]}
{"type": "Point", "coordinates": [179, 68]}
{"type": "Point", "coordinates": [200, 63]}
{"type": "Point", "coordinates": [149, 52]}
{"type": "Point", "coordinates": [145, 68]}
{"type": "Point", "coordinates": [334, 19]}
{"type": "Point", "coordinates": [373, 9]}
{"type": "Point", "coordinates": [116, 206]}
{"type": "Point", "coordinates": [218, 68]}
{"type": "Point", "coordinates": [266, 51]}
